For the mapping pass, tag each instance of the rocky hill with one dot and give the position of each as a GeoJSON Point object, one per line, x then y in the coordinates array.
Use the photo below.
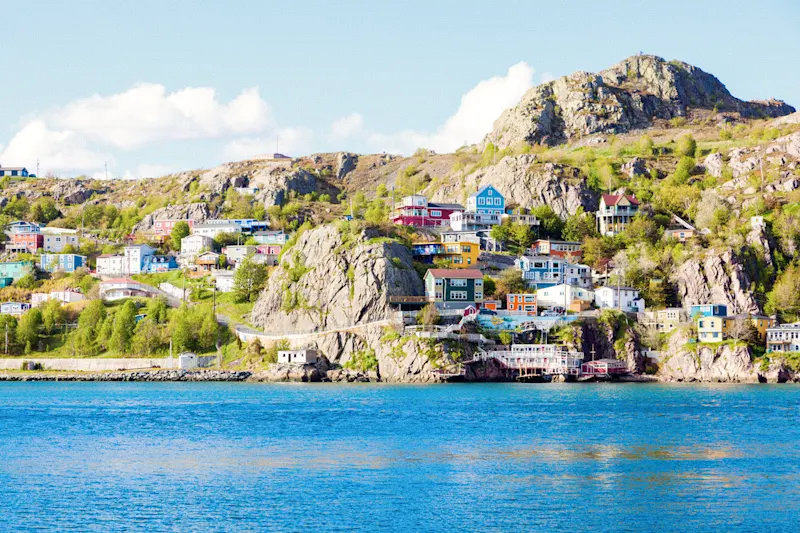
{"type": "Point", "coordinates": [628, 96]}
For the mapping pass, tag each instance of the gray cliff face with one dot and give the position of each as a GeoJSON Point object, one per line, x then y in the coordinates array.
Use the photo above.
{"type": "Point", "coordinates": [627, 96]}
{"type": "Point", "coordinates": [345, 163]}
{"type": "Point", "coordinates": [71, 192]}
{"type": "Point", "coordinates": [274, 184]}
{"type": "Point", "coordinates": [197, 212]}
{"type": "Point", "coordinates": [719, 278]}
{"type": "Point", "coordinates": [528, 184]}
{"type": "Point", "coordinates": [717, 363]}
{"type": "Point", "coordinates": [331, 279]}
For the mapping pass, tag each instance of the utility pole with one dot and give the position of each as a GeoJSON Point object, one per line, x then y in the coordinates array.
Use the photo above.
{"type": "Point", "coordinates": [106, 165]}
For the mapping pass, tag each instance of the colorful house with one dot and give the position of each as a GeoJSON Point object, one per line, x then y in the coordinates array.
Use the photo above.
{"type": "Point", "coordinates": [235, 254]}
{"type": "Point", "coordinates": [679, 229]}
{"type": "Point", "coordinates": [444, 285]}
{"type": "Point", "coordinates": [460, 254]}
{"type": "Point", "coordinates": [163, 228]}
{"type": "Point", "coordinates": [720, 328]}
{"type": "Point", "coordinates": [29, 242]}
{"type": "Point", "coordinates": [270, 237]}
{"type": "Point", "coordinates": [486, 200]}
{"type": "Point", "coordinates": [191, 245]}
{"type": "Point", "coordinates": [152, 264]}
{"type": "Point", "coordinates": [20, 172]}
{"type": "Point", "coordinates": [564, 249]}
{"type": "Point", "coordinates": [15, 269]}
{"type": "Point", "coordinates": [207, 261]}
{"type": "Point", "coordinates": [415, 210]}
{"type": "Point", "coordinates": [61, 262]}
{"type": "Point", "coordinates": [708, 310]}
{"type": "Point", "coordinates": [615, 213]}
{"type": "Point", "coordinates": [521, 303]}
{"type": "Point", "coordinates": [541, 271]}
{"type": "Point", "coordinates": [21, 226]}
{"type": "Point", "coordinates": [578, 275]}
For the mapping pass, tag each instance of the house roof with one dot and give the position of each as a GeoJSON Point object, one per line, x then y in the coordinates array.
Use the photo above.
{"type": "Point", "coordinates": [445, 206]}
{"type": "Point", "coordinates": [466, 273]}
{"type": "Point", "coordinates": [678, 221]}
{"type": "Point", "coordinates": [613, 199]}
{"type": "Point", "coordinates": [615, 288]}
{"type": "Point", "coordinates": [476, 193]}
{"type": "Point", "coordinates": [13, 168]}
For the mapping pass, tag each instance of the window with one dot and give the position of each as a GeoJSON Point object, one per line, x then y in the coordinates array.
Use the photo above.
{"type": "Point", "coordinates": [479, 296]}
{"type": "Point", "coordinates": [458, 295]}
{"type": "Point", "coordinates": [458, 283]}
{"type": "Point", "coordinates": [528, 297]}
{"type": "Point", "coordinates": [481, 201]}
{"type": "Point", "coordinates": [497, 201]}
{"type": "Point", "coordinates": [479, 283]}
{"type": "Point", "coordinates": [489, 192]}
{"type": "Point", "coordinates": [436, 214]}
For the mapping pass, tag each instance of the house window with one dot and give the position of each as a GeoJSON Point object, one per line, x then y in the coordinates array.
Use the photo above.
{"type": "Point", "coordinates": [479, 296]}
{"type": "Point", "coordinates": [436, 214]}
{"type": "Point", "coordinates": [458, 295]}
{"type": "Point", "coordinates": [497, 201]}
{"type": "Point", "coordinates": [481, 201]}
{"type": "Point", "coordinates": [458, 283]}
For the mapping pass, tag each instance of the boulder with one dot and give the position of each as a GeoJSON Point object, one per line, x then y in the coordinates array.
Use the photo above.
{"type": "Point", "coordinates": [714, 164]}
{"type": "Point", "coordinates": [197, 212]}
{"type": "Point", "coordinates": [71, 192]}
{"type": "Point", "coordinates": [634, 167]}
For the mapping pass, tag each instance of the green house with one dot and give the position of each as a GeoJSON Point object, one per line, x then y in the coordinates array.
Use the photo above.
{"type": "Point", "coordinates": [15, 269]}
{"type": "Point", "coordinates": [444, 285]}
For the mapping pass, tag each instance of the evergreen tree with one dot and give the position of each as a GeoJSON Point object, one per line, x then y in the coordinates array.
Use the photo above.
{"type": "Point", "coordinates": [147, 338]}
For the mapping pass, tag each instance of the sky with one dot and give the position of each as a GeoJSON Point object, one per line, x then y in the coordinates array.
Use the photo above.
{"type": "Point", "coordinates": [146, 88]}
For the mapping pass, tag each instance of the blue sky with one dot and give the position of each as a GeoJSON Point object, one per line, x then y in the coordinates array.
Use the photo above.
{"type": "Point", "coordinates": [88, 82]}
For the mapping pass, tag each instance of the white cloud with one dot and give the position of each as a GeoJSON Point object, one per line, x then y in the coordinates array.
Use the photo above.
{"type": "Point", "coordinates": [347, 126]}
{"type": "Point", "coordinates": [146, 114]}
{"type": "Point", "coordinates": [56, 149]}
{"type": "Point", "coordinates": [479, 108]}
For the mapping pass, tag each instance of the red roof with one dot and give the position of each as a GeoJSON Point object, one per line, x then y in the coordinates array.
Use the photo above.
{"type": "Point", "coordinates": [612, 199]}
{"type": "Point", "coordinates": [466, 273]}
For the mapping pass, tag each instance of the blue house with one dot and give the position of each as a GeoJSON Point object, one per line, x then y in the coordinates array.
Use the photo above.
{"type": "Point", "coordinates": [20, 226]}
{"type": "Point", "coordinates": [706, 310]}
{"type": "Point", "coordinates": [541, 271]}
{"type": "Point", "coordinates": [61, 262]}
{"type": "Point", "coordinates": [158, 263]}
{"type": "Point", "coordinates": [15, 269]}
{"type": "Point", "coordinates": [21, 172]}
{"type": "Point", "coordinates": [487, 200]}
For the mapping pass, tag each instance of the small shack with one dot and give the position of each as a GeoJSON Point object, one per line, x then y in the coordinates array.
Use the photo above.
{"type": "Point", "coordinates": [305, 356]}
{"type": "Point", "coordinates": [187, 361]}
{"type": "Point", "coordinates": [604, 367]}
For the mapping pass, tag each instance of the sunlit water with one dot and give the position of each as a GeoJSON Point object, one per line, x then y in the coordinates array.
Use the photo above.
{"type": "Point", "coordinates": [188, 457]}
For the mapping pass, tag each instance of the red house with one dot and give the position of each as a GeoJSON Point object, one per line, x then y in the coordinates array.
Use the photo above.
{"type": "Point", "coordinates": [269, 249]}
{"type": "Point", "coordinates": [163, 228]}
{"type": "Point", "coordinates": [416, 211]}
{"type": "Point", "coordinates": [564, 249]}
{"type": "Point", "coordinates": [26, 242]}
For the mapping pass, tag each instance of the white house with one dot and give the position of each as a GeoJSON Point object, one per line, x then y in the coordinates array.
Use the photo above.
{"type": "Point", "coordinates": [236, 253]}
{"type": "Point", "coordinates": [224, 280]}
{"type": "Point", "coordinates": [134, 257]}
{"type": "Point", "coordinates": [784, 338]}
{"type": "Point", "coordinates": [65, 297]}
{"type": "Point", "coordinates": [192, 245]}
{"type": "Point", "coordinates": [623, 298]}
{"type": "Point", "coordinates": [210, 229]}
{"type": "Point", "coordinates": [297, 357]}
{"type": "Point", "coordinates": [110, 265]}
{"type": "Point", "coordinates": [580, 275]}
{"type": "Point", "coordinates": [555, 296]}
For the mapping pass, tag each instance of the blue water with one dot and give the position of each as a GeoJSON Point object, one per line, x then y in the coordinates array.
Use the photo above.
{"type": "Point", "coordinates": [111, 457]}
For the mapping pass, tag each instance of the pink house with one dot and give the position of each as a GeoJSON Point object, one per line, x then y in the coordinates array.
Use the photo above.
{"type": "Point", "coordinates": [416, 211]}
{"type": "Point", "coordinates": [163, 228]}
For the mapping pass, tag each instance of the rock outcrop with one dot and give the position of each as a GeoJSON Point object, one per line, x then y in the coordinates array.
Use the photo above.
{"type": "Point", "coordinates": [718, 278]}
{"type": "Point", "coordinates": [625, 97]}
{"type": "Point", "coordinates": [634, 167]}
{"type": "Point", "coordinates": [197, 212]}
{"type": "Point", "coordinates": [345, 163]}
{"type": "Point", "coordinates": [527, 183]}
{"type": "Point", "coordinates": [335, 284]}
{"type": "Point", "coordinates": [714, 164]}
{"type": "Point", "coordinates": [71, 192]}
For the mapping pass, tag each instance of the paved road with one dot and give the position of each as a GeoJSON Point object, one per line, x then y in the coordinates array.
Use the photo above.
{"type": "Point", "coordinates": [247, 333]}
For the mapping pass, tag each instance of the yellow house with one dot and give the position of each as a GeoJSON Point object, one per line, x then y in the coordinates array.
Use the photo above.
{"type": "Point", "coordinates": [459, 254]}
{"type": "Point", "coordinates": [720, 328]}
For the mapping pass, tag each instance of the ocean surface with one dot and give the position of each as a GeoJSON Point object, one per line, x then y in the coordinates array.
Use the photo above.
{"type": "Point", "coordinates": [192, 457]}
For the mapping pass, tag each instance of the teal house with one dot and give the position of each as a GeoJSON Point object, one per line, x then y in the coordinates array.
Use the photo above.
{"type": "Point", "coordinates": [15, 269]}
{"type": "Point", "coordinates": [462, 285]}
{"type": "Point", "coordinates": [487, 200]}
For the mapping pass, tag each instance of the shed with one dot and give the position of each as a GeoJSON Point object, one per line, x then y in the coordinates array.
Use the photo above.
{"type": "Point", "coordinates": [187, 361]}
{"type": "Point", "coordinates": [297, 357]}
